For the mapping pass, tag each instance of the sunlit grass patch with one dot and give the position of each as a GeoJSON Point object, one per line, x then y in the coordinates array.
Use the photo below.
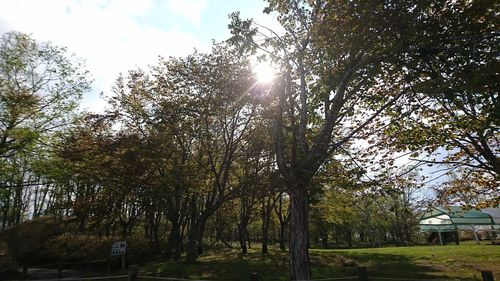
{"type": "Point", "coordinates": [426, 262]}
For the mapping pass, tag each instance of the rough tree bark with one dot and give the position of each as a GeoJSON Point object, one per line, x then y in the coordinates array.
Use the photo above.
{"type": "Point", "coordinates": [174, 242]}
{"type": "Point", "coordinates": [267, 206]}
{"type": "Point", "coordinates": [283, 219]}
{"type": "Point", "coordinates": [242, 236]}
{"type": "Point", "coordinates": [299, 253]}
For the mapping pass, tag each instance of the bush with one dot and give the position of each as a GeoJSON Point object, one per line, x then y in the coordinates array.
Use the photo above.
{"type": "Point", "coordinates": [79, 247]}
{"type": "Point", "coordinates": [28, 241]}
{"type": "Point", "coordinates": [47, 240]}
{"type": "Point", "coordinates": [7, 262]}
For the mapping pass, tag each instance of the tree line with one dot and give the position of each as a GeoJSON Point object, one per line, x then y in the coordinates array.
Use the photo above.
{"type": "Point", "coordinates": [195, 150]}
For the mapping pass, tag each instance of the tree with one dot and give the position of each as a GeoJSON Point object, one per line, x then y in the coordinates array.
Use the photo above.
{"type": "Point", "coordinates": [333, 56]}
{"type": "Point", "coordinates": [218, 87]}
{"type": "Point", "coordinates": [454, 109]}
{"type": "Point", "coordinates": [153, 105]}
{"type": "Point", "coordinates": [195, 113]}
{"type": "Point", "coordinates": [282, 211]}
{"type": "Point", "coordinates": [463, 188]}
{"type": "Point", "coordinates": [40, 86]}
{"type": "Point", "coordinates": [39, 90]}
{"type": "Point", "coordinates": [339, 184]}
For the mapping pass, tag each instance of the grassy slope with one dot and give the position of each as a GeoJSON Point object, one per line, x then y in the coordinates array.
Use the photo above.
{"type": "Point", "coordinates": [461, 262]}
{"type": "Point", "coordinates": [430, 262]}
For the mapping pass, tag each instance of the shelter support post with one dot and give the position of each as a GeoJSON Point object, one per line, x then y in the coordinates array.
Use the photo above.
{"type": "Point", "coordinates": [492, 235]}
{"type": "Point", "coordinates": [475, 234]}
{"type": "Point", "coordinates": [440, 238]}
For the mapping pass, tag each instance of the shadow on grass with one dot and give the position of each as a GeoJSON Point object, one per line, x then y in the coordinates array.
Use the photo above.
{"type": "Point", "coordinates": [401, 266]}
{"type": "Point", "coordinates": [230, 265]}
{"type": "Point", "coordinates": [225, 266]}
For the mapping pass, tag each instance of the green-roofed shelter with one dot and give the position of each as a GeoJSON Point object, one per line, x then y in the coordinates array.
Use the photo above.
{"type": "Point", "coordinates": [452, 218]}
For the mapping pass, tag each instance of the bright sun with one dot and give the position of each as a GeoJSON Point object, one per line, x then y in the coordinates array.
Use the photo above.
{"type": "Point", "coordinates": [264, 71]}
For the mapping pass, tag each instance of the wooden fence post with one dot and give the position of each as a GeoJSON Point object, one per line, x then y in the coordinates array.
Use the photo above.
{"type": "Point", "coordinates": [487, 275]}
{"type": "Point", "coordinates": [133, 272]}
{"type": "Point", "coordinates": [108, 266]}
{"type": "Point", "coordinates": [123, 262]}
{"type": "Point", "coordinates": [87, 269]}
{"type": "Point", "coordinates": [362, 274]}
{"type": "Point", "coordinates": [254, 276]}
{"type": "Point", "coordinates": [25, 272]}
{"type": "Point", "coordinates": [59, 269]}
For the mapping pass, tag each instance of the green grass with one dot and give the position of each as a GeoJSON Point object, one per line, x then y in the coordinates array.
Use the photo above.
{"type": "Point", "coordinates": [451, 261]}
{"type": "Point", "coordinates": [461, 262]}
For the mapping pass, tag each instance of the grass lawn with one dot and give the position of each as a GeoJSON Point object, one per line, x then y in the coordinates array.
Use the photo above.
{"type": "Point", "coordinates": [461, 262]}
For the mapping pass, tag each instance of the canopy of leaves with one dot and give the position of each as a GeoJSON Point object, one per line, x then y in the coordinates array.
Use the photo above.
{"type": "Point", "coordinates": [40, 86]}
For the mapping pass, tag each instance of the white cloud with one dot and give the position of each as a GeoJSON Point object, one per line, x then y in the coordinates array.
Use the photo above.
{"type": "Point", "coordinates": [108, 35]}
{"type": "Point", "coordinates": [191, 9]}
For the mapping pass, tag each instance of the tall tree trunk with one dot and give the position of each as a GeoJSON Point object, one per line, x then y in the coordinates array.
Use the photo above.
{"type": "Point", "coordinates": [195, 238]}
{"type": "Point", "coordinates": [201, 232]}
{"type": "Point", "coordinates": [283, 218]}
{"type": "Point", "coordinates": [349, 237]}
{"type": "Point", "coordinates": [266, 219]}
{"type": "Point", "coordinates": [283, 237]}
{"type": "Point", "coordinates": [242, 237]}
{"type": "Point", "coordinates": [5, 208]}
{"type": "Point", "coordinates": [191, 253]}
{"type": "Point", "coordinates": [324, 238]}
{"type": "Point", "coordinates": [155, 229]}
{"type": "Point", "coordinates": [18, 203]}
{"type": "Point", "coordinates": [173, 241]}
{"type": "Point", "coordinates": [248, 239]}
{"type": "Point", "coordinates": [81, 224]}
{"type": "Point", "coordinates": [265, 238]}
{"type": "Point", "coordinates": [299, 253]}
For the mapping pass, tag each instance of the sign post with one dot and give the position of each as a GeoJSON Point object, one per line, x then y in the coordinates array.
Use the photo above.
{"type": "Point", "coordinates": [118, 249]}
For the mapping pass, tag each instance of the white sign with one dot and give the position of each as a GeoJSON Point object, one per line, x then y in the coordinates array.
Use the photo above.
{"type": "Point", "coordinates": [118, 248]}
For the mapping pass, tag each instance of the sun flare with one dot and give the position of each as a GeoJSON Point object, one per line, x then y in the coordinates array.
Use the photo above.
{"type": "Point", "coordinates": [264, 71]}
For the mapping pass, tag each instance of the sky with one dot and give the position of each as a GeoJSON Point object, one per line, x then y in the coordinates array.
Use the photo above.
{"type": "Point", "coordinates": [114, 36]}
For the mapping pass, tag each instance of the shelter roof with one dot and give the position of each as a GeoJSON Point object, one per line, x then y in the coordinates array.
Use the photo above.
{"type": "Point", "coordinates": [450, 218]}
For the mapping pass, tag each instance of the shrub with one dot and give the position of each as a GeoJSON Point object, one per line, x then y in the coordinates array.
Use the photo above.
{"type": "Point", "coordinates": [47, 240]}
{"type": "Point", "coordinates": [28, 240]}
{"type": "Point", "coordinates": [7, 262]}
